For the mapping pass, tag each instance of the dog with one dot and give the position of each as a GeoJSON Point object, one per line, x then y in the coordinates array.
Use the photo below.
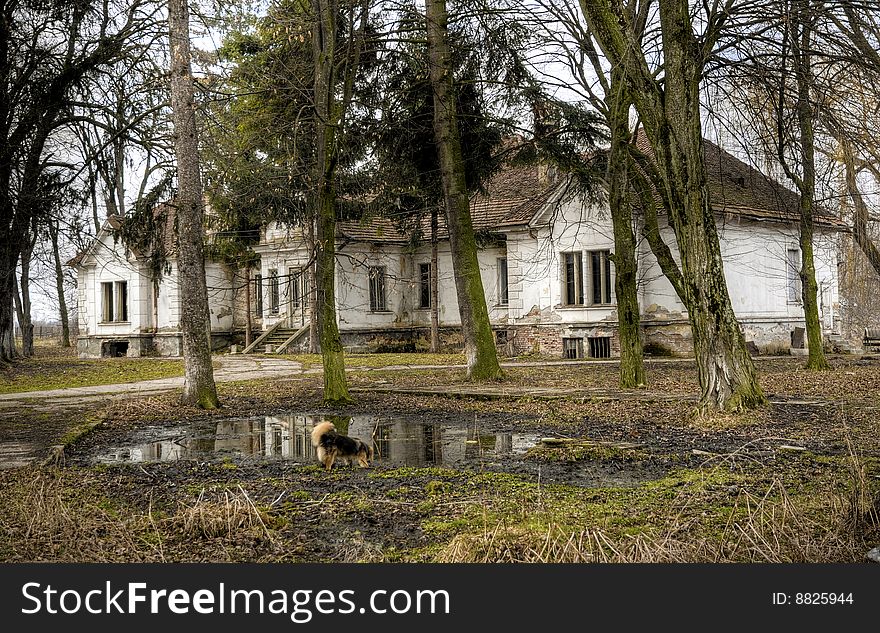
{"type": "Point", "coordinates": [331, 446]}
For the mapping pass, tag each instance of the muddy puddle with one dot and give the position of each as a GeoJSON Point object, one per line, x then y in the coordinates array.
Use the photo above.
{"type": "Point", "coordinates": [17, 454]}
{"type": "Point", "coordinates": [396, 441]}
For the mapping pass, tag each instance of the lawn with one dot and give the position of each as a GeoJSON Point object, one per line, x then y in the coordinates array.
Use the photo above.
{"type": "Point", "coordinates": [56, 368]}
{"type": "Point", "coordinates": [628, 480]}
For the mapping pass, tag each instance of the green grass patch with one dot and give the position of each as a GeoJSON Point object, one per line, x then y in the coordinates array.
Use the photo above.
{"type": "Point", "coordinates": [45, 372]}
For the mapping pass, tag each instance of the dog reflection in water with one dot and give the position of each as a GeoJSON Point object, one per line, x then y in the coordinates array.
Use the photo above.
{"type": "Point", "coordinates": [331, 446]}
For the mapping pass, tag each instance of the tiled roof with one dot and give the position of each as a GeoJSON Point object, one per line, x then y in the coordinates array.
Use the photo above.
{"type": "Point", "coordinates": [737, 189]}
{"type": "Point", "coordinates": [510, 198]}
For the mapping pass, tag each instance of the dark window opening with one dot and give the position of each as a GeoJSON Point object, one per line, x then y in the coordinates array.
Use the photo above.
{"type": "Point", "coordinates": [377, 289]}
{"type": "Point", "coordinates": [501, 337]}
{"type": "Point", "coordinates": [600, 268]}
{"type": "Point", "coordinates": [572, 279]}
{"type": "Point", "coordinates": [793, 274]}
{"type": "Point", "coordinates": [424, 285]}
{"type": "Point", "coordinates": [121, 300]}
{"type": "Point", "coordinates": [600, 346]}
{"type": "Point", "coordinates": [114, 349]}
{"type": "Point", "coordinates": [114, 301]}
{"type": "Point", "coordinates": [274, 298]}
{"type": "Point", "coordinates": [258, 296]}
{"type": "Point", "coordinates": [502, 281]}
{"type": "Point", "coordinates": [107, 301]}
{"type": "Point", "coordinates": [572, 348]}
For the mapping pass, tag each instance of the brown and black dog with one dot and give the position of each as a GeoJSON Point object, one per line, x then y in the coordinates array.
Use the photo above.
{"type": "Point", "coordinates": [331, 446]}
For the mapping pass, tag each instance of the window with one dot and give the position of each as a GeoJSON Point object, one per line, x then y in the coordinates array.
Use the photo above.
{"type": "Point", "coordinates": [258, 295]}
{"type": "Point", "coordinates": [572, 279]}
{"type": "Point", "coordinates": [107, 301]}
{"type": "Point", "coordinates": [294, 291]}
{"type": "Point", "coordinates": [114, 301]}
{"type": "Point", "coordinates": [793, 276]}
{"type": "Point", "coordinates": [502, 281]}
{"type": "Point", "coordinates": [572, 348]}
{"type": "Point", "coordinates": [377, 288]}
{"type": "Point", "coordinates": [600, 275]}
{"type": "Point", "coordinates": [274, 299]}
{"type": "Point", "coordinates": [424, 285]}
{"type": "Point", "coordinates": [121, 288]}
{"type": "Point", "coordinates": [600, 346]}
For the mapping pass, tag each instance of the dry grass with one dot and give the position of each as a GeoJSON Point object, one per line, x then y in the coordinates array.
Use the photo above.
{"type": "Point", "coordinates": [47, 523]}
{"type": "Point", "coordinates": [54, 516]}
{"type": "Point", "coordinates": [233, 514]}
{"type": "Point", "coordinates": [769, 528]}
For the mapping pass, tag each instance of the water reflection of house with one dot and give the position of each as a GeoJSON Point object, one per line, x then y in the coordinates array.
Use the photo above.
{"type": "Point", "coordinates": [413, 444]}
{"type": "Point", "coordinates": [395, 441]}
{"type": "Point", "coordinates": [165, 451]}
{"type": "Point", "coordinates": [274, 436]}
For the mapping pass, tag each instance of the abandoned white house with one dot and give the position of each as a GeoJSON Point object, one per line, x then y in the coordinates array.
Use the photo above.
{"type": "Point", "coordinates": [544, 258]}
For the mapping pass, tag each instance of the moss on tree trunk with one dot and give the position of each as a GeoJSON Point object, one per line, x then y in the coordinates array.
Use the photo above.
{"type": "Point", "coordinates": [632, 366]}
{"type": "Point", "coordinates": [195, 324]}
{"type": "Point", "coordinates": [807, 184]}
{"type": "Point", "coordinates": [332, 357]}
{"type": "Point", "coordinates": [479, 341]}
{"type": "Point", "coordinates": [329, 110]}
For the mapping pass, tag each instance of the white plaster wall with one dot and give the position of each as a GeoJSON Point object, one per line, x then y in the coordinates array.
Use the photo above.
{"type": "Point", "coordinates": [281, 257]}
{"type": "Point", "coordinates": [401, 283]}
{"type": "Point", "coordinates": [167, 304]}
{"type": "Point", "coordinates": [572, 226]}
{"type": "Point", "coordinates": [220, 281]}
{"type": "Point", "coordinates": [755, 269]}
{"type": "Point", "coordinates": [111, 263]}
{"type": "Point", "coordinates": [448, 296]}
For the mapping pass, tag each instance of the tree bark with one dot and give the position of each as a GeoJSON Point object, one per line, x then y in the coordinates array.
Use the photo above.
{"type": "Point", "coordinates": [807, 184]}
{"type": "Point", "coordinates": [59, 284]}
{"type": "Point", "coordinates": [435, 290]}
{"type": "Point", "coordinates": [860, 207]}
{"type": "Point", "coordinates": [479, 342]}
{"type": "Point", "coordinates": [328, 115]}
{"type": "Point", "coordinates": [632, 366]}
{"type": "Point", "coordinates": [23, 295]}
{"type": "Point", "coordinates": [671, 115]}
{"type": "Point", "coordinates": [199, 388]}
{"type": "Point", "coordinates": [314, 338]}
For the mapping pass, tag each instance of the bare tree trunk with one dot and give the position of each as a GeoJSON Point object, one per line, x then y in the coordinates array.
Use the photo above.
{"type": "Point", "coordinates": [726, 371]}
{"type": "Point", "coordinates": [479, 342]}
{"type": "Point", "coordinates": [7, 318]}
{"type": "Point", "coordinates": [860, 207]}
{"type": "Point", "coordinates": [632, 366]}
{"type": "Point", "coordinates": [671, 115]}
{"type": "Point", "coordinates": [328, 112]}
{"type": "Point", "coordinates": [59, 284]}
{"type": "Point", "coordinates": [809, 289]}
{"type": "Point", "coordinates": [314, 339]}
{"type": "Point", "coordinates": [23, 296]}
{"type": "Point", "coordinates": [199, 388]}
{"type": "Point", "coordinates": [435, 276]}
{"type": "Point", "coordinates": [93, 194]}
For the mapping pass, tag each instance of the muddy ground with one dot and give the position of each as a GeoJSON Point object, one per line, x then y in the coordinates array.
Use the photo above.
{"type": "Point", "coordinates": [634, 478]}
